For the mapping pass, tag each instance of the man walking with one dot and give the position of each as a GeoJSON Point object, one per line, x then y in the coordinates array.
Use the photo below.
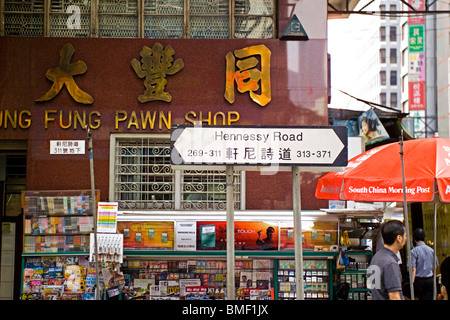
{"type": "Point", "coordinates": [422, 258]}
{"type": "Point", "coordinates": [384, 264]}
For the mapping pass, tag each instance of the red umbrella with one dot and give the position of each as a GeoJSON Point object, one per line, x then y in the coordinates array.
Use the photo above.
{"type": "Point", "coordinates": [383, 173]}
{"type": "Point", "coordinates": [376, 175]}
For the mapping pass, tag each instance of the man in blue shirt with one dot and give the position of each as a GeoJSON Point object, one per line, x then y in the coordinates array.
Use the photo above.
{"type": "Point", "coordinates": [422, 257]}
{"type": "Point", "coordinates": [387, 277]}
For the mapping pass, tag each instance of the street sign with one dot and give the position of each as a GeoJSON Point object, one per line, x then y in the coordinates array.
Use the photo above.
{"type": "Point", "coordinates": [324, 146]}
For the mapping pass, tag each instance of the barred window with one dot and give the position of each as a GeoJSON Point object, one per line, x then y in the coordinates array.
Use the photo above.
{"type": "Point", "coordinates": [118, 18]}
{"type": "Point", "coordinates": [209, 19]}
{"type": "Point", "coordinates": [200, 19]}
{"type": "Point", "coordinates": [254, 19]}
{"type": "Point", "coordinates": [164, 19]}
{"type": "Point", "coordinates": [70, 18]}
{"type": "Point", "coordinates": [143, 179]}
{"type": "Point", "coordinates": [24, 18]}
{"type": "Point", "coordinates": [206, 190]}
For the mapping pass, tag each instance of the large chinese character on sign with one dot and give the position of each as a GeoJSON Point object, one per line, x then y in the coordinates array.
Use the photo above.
{"type": "Point", "coordinates": [155, 65]}
{"type": "Point", "coordinates": [417, 95]}
{"type": "Point", "coordinates": [63, 75]}
{"type": "Point", "coordinates": [241, 68]}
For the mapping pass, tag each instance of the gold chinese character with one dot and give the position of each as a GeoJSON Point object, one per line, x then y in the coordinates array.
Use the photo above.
{"type": "Point", "coordinates": [156, 64]}
{"type": "Point", "coordinates": [248, 77]}
{"type": "Point", "coordinates": [63, 75]}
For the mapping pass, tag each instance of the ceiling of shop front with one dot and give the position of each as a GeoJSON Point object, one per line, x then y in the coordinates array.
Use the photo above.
{"type": "Point", "coordinates": [337, 8]}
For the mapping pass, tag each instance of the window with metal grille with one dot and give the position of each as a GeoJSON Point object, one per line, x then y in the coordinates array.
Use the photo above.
{"type": "Point", "coordinates": [70, 18]}
{"type": "Point", "coordinates": [118, 19]}
{"type": "Point", "coordinates": [201, 19]}
{"type": "Point", "coordinates": [206, 190]}
{"type": "Point", "coordinates": [143, 179]}
{"type": "Point", "coordinates": [24, 18]}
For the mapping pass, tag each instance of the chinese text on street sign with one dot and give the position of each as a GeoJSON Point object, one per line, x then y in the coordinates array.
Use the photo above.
{"type": "Point", "coordinates": [259, 146]}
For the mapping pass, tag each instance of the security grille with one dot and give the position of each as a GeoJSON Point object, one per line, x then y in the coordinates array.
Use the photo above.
{"type": "Point", "coordinates": [163, 19]}
{"type": "Point", "coordinates": [207, 190]}
{"type": "Point", "coordinates": [213, 19]}
{"type": "Point", "coordinates": [118, 19]}
{"type": "Point", "coordinates": [254, 19]}
{"type": "Point", "coordinates": [24, 18]}
{"type": "Point", "coordinates": [145, 180]}
{"type": "Point", "coordinates": [62, 23]}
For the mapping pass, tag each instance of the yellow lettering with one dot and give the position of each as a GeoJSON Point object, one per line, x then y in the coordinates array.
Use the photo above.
{"type": "Point", "coordinates": [207, 120]}
{"type": "Point", "coordinates": [227, 119]}
{"type": "Point", "coordinates": [167, 121]}
{"type": "Point", "coordinates": [150, 118]}
{"type": "Point", "coordinates": [123, 116]}
{"type": "Point", "coordinates": [25, 122]}
{"type": "Point", "coordinates": [61, 120]}
{"type": "Point", "coordinates": [47, 117]}
{"type": "Point", "coordinates": [133, 121]}
{"type": "Point", "coordinates": [94, 124]}
{"type": "Point", "coordinates": [14, 118]}
{"type": "Point", "coordinates": [189, 113]}
{"type": "Point", "coordinates": [78, 119]}
{"type": "Point", "coordinates": [233, 119]}
{"type": "Point", "coordinates": [219, 114]}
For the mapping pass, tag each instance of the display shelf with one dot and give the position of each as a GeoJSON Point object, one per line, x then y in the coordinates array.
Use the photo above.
{"type": "Point", "coordinates": [238, 253]}
{"type": "Point", "coordinates": [198, 278]}
{"type": "Point", "coordinates": [57, 221]}
{"type": "Point", "coordinates": [355, 275]}
{"type": "Point", "coordinates": [43, 254]}
{"type": "Point", "coordinates": [57, 277]}
{"type": "Point", "coordinates": [316, 275]}
{"type": "Point", "coordinates": [57, 202]}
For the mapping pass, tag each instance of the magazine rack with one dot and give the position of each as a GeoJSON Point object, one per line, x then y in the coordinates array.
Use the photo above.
{"type": "Point", "coordinates": [57, 221]}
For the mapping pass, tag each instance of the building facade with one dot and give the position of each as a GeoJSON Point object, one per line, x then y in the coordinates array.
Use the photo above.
{"type": "Point", "coordinates": [126, 72]}
{"type": "Point", "coordinates": [374, 61]}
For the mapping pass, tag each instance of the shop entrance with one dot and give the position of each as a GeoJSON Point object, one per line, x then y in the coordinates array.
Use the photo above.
{"type": "Point", "coordinates": [13, 160]}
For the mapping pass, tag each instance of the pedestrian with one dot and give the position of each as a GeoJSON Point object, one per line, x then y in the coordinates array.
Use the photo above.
{"type": "Point", "coordinates": [445, 278]}
{"type": "Point", "coordinates": [386, 276]}
{"type": "Point", "coordinates": [422, 259]}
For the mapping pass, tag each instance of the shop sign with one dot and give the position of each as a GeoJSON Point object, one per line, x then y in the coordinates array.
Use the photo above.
{"type": "Point", "coordinates": [416, 38]}
{"type": "Point", "coordinates": [249, 235]}
{"type": "Point", "coordinates": [62, 75]}
{"type": "Point", "coordinates": [416, 5]}
{"type": "Point", "coordinates": [259, 146]}
{"type": "Point", "coordinates": [185, 236]}
{"type": "Point", "coordinates": [416, 72]}
{"type": "Point", "coordinates": [107, 217]}
{"type": "Point", "coordinates": [67, 147]}
{"type": "Point", "coordinates": [156, 63]}
{"type": "Point", "coordinates": [247, 71]}
{"type": "Point", "coordinates": [149, 234]}
{"type": "Point", "coordinates": [248, 76]}
{"type": "Point", "coordinates": [417, 95]}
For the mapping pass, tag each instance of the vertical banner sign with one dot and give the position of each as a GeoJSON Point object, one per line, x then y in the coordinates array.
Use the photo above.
{"type": "Point", "coordinates": [107, 217]}
{"type": "Point", "coordinates": [416, 72]}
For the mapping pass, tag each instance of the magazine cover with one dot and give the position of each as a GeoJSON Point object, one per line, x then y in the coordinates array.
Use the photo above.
{"type": "Point", "coordinates": [371, 128]}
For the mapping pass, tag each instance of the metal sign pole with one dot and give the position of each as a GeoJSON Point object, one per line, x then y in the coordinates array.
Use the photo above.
{"type": "Point", "coordinates": [298, 245]}
{"type": "Point", "coordinates": [230, 235]}
{"type": "Point", "coordinates": [405, 214]}
{"type": "Point", "coordinates": [434, 247]}
{"type": "Point", "coordinates": [94, 211]}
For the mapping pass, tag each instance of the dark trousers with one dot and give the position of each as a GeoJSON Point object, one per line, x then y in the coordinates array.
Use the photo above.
{"type": "Point", "coordinates": [423, 288]}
